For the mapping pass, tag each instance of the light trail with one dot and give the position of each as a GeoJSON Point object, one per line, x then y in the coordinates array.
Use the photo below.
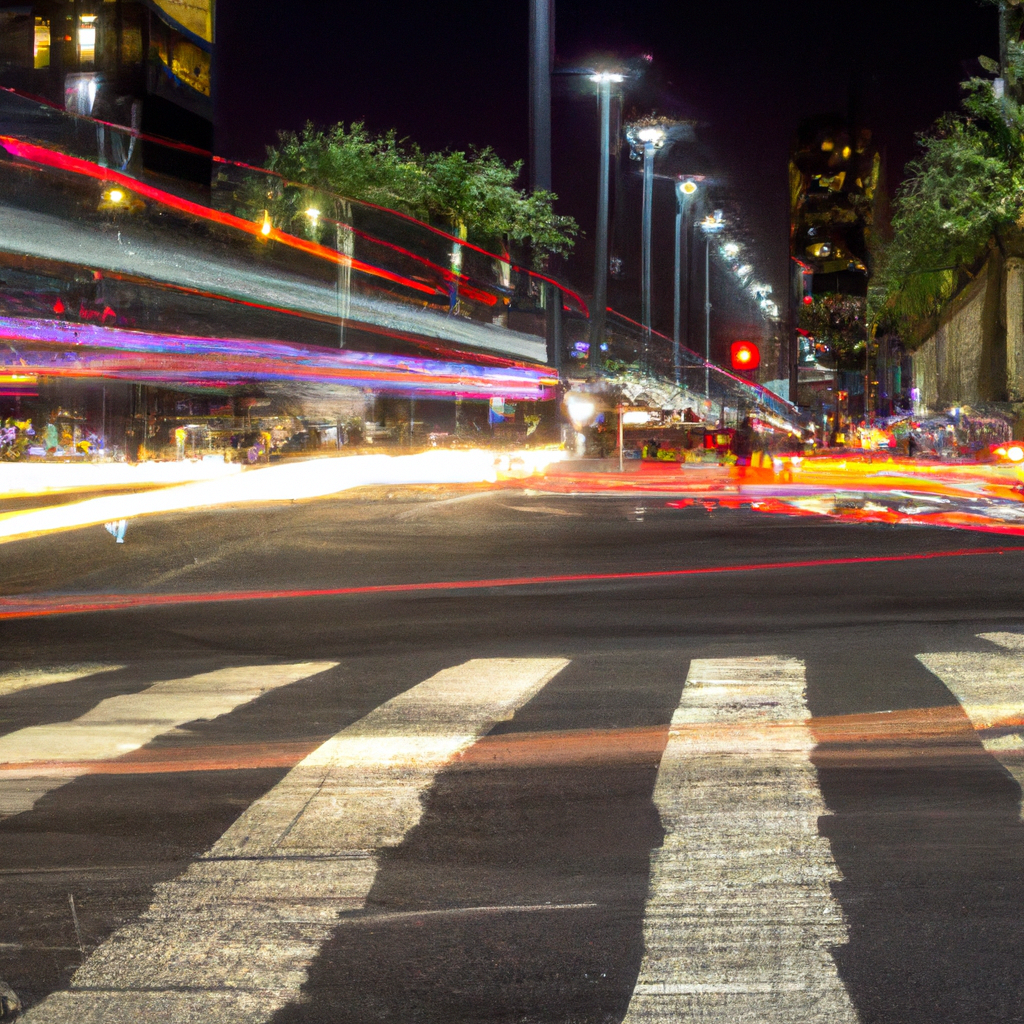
{"type": "Point", "coordinates": [58, 604]}
{"type": "Point", "coordinates": [287, 481]}
{"type": "Point", "coordinates": [115, 351]}
{"type": "Point", "coordinates": [59, 161]}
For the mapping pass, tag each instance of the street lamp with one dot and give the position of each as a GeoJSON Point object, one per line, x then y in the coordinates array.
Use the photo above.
{"type": "Point", "coordinates": [345, 249]}
{"type": "Point", "coordinates": [710, 225]}
{"type": "Point", "coordinates": [685, 191]}
{"type": "Point", "coordinates": [644, 140]}
{"type": "Point", "coordinates": [604, 81]}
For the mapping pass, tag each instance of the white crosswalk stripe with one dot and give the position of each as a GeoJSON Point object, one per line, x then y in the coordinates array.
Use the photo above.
{"type": "Point", "coordinates": [25, 679]}
{"type": "Point", "coordinates": [41, 758]}
{"type": "Point", "coordinates": [231, 939]}
{"type": "Point", "coordinates": [990, 689]}
{"type": "Point", "coordinates": [740, 919]}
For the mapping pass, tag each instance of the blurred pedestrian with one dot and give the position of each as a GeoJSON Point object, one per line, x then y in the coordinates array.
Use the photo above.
{"type": "Point", "coordinates": [743, 442]}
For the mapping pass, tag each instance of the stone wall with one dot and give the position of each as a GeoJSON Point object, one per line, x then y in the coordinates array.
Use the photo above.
{"type": "Point", "coordinates": [977, 354]}
{"type": "Point", "coordinates": [1014, 288]}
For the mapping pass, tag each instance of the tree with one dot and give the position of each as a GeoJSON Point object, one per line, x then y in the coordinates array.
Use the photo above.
{"type": "Point", "coordinates": [964, 190]}
{"type": "Point", "coordinates": [471, 194]}
{"type": "Point", "coordinates": [839, 321]}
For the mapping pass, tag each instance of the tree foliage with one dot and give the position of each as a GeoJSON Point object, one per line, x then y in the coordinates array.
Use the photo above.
{"type": "Point", "coordinates": [840, 322]}
{"type": "Point", "coordinates": [965, 189]}
{"type": "Point", "coordinates": [472, 194]}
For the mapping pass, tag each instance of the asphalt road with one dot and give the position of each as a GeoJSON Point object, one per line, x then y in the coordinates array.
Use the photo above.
{"type": "Point", "coordinates": [774, 794]}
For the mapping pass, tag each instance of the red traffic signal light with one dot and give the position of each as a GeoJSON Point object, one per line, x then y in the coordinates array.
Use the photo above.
{"type": "Point", "coordinates": [744, 355]}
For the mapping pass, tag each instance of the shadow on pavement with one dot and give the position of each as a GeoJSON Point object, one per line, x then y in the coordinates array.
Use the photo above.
{"type": "Point", "coordinates": [520, 895]}
{"type": "Point", "coordinates": [925, 829]}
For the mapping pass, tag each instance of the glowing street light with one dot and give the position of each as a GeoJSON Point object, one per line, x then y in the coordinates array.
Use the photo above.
{"type": "Point", "coordinates": [581, 409]}
{"type": "Point", "coordinates": [654, 136]}
{"type": "Point", "coordinates": [604, 80]}
{"type": "Point", "coordinates": [644, 140]}
{"type": "Point", "coordinates": [710, 225]}
{"type": "Point", "coordinates": [685, 191]}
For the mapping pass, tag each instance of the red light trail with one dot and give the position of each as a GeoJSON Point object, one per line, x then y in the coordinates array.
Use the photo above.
{"type": "Point", "coordinates": [54, 604]}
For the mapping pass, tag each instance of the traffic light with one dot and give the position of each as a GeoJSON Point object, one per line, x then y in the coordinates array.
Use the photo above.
{"type": "Point", "coordinates": [744, 355]}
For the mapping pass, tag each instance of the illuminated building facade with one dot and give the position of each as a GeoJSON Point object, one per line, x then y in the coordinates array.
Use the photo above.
{"type": "Point", "coordinates": [834, 176]}
{"type": "Point", "coordinates": [835, 193]}
{"type": "Point", "coordinates": [145, 64]}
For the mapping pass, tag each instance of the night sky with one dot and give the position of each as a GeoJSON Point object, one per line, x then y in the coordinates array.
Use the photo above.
{"type": "Point", "coordinates": [455, 74]}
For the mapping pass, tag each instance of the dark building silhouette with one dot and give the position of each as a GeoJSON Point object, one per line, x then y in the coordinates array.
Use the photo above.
{"type": "Point", "coordinates": [144, 64]}
{"type": "Point", "coordinates": [834, 177]}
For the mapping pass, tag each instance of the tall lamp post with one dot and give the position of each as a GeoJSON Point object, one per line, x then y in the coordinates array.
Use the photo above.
{"type": "Point", "coordinates": [685, 191]}
{"type": "Point", "coordinates": [712, 224]}
{"type": "Point", "coordinates": [542, 40]}
{"type": "Point", "coordinates": [644, 141]}
{"type": "Point", "coordinates": [604, 81]}
{"type": "Point", "coordinates": [542, 50]}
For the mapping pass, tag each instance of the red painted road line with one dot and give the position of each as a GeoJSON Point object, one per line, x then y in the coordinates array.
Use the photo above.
{"type": "Point", "coordinates": [53, 604]}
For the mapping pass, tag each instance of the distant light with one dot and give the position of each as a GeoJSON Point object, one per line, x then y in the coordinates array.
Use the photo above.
{"type": "Point", "coordinates": [115, 195]}
{"type": "Point", "coordinates": [266, 225]}
{"type": "Point", "coordinates": [712, 223]}
{"type": "Point", "coordinates": [846, 152]}
{"type": "Point", "coordinates": [607, 76]}
{"type": "Point", "coordinates": [636, 416]}
{"type": "Point", "coordinates": [688, 187]}
{"type": "Point", "coordinates": [808, 300]}
{"type": "Point", "coordinates": [87, 38]}
{"type": "Point", "coordinates": [827, 146]}
{"type": "Point", "coordinates": [731, 249]}
{"type": "Point", "coordinates": [1015, 453]}
{"type": "Point", "coordinates": [313, 214]}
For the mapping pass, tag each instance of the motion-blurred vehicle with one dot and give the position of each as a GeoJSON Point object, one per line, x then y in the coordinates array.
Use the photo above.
{"type": "Point", "coordinates": [1006, 451]}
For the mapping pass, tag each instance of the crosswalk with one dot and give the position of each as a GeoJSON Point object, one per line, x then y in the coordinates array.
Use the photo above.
{"type": "Point", "coordinates": [42, 758]}
{"type": "Point", "coordinates": [740, 918]}
{"type": "Point", "coordinates": [990, 689]}
{"type": "Point", "coordinates": [740, 923]}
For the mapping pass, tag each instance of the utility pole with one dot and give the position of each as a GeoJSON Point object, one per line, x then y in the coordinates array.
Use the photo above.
{"type": "Point", "coordinates": [542, 51]}
{"type": "Point", "coordinates": [542, 45]}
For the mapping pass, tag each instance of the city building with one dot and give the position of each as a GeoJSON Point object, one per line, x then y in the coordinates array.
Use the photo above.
{"type": "Point", "coordinates": [835, 176]}
{"type": "Point", "coordinates": [144, 64]}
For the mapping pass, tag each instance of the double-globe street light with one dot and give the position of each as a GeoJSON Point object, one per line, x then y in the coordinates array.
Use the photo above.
{"type": "Point", "coordinates": [712, 224]}
{"type": "Point", "coordinates": [604, 81]}
{"type": "Point", "coordinates": [685, 191]}
{"type": "Point", "coordinates": [644, 140]}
